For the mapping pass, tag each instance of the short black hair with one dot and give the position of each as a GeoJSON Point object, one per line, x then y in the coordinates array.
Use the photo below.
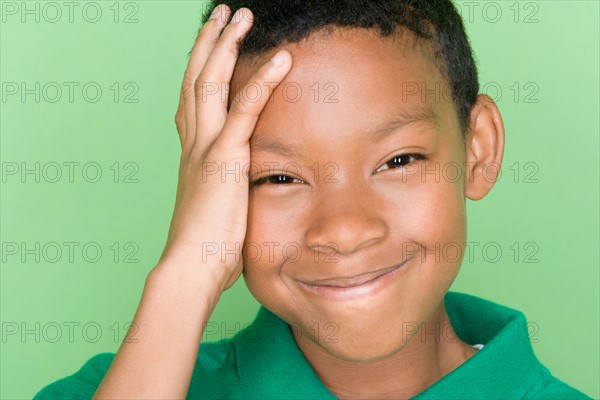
{"type": "Point", "coordinates": [277, 22]}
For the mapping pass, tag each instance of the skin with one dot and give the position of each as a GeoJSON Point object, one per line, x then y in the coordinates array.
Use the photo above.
{"type": "Point", "coordinates": [181, 291]}
{"type": "Point", "coordinates": [366, 347]}
{"type": "Point", "coordinates": [391, 211]}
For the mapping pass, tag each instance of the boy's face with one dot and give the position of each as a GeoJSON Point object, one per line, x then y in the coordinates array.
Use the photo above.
{"type": "Point", "coordinates": [350, 189]}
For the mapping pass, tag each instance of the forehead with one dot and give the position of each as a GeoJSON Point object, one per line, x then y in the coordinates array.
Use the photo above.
{"type": "Point", "coordinates": [346, 80]}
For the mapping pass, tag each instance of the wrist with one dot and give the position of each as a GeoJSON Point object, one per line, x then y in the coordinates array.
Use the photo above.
{"type": "Point", "coordinates": [205, 279]}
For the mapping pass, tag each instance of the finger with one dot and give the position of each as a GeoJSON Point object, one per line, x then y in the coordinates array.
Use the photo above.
{"type": "Point", "coordinates": [205, 42]}
{"type": "Point", "coordinates": [245, 110]}
{"type": "Point", "coordinates": [211, 99]}
{"type": "Point", "coordinates": [180, 118]}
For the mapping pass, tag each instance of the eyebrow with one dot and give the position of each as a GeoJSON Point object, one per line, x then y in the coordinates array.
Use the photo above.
{"type": "Point", "coordinates": [291, 150]}
{"type": "Point", "coordinates": [424, 115]}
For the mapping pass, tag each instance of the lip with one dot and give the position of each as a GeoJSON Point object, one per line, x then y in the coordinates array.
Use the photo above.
{"type": "Point", "coordinates": [358, 286]}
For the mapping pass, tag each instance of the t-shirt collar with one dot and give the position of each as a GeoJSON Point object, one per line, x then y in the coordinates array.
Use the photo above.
{"type": "Point", "coordinates": [271, 365]}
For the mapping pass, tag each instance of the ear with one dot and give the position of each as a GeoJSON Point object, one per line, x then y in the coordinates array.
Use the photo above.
{"type": "Point", "coordinates": [484, 148]}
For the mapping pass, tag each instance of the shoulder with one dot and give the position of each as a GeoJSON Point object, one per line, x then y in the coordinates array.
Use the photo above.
{"type": "Point", "coordinates": [507, 355]}
{"type": "Point", "coordinates": [550, 387]}
{"type": "Point", "coordinates": [215, 376]}
{"type": "Point", "coordinates": [82, 384]}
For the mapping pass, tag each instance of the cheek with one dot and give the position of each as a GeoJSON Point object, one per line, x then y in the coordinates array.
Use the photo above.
{"type": "Point", "coordinates": [441, 233]}
{"type": "Point", "coordinates": [429, 212]}
{"type": "Point", "coordinates": [444, 213]}
{"type": "Point", "coordinates": [270, 241]}
{"type": "Point", "coordinates": [440, 208]}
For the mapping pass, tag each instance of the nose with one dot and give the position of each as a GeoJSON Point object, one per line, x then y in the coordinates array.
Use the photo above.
{"type": "Point", "coordinates": [345, 222]}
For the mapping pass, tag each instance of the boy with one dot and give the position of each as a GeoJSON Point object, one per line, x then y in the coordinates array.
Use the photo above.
{"type": "Point", "coordinates": [311, 173]}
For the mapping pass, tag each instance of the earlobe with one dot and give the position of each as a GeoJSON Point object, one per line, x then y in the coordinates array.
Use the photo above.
{"type": "Point", "coordinates": [484, 148]}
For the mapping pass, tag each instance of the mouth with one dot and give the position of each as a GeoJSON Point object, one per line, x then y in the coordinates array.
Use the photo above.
{"type": "Point", "coordinates": [345, 288]}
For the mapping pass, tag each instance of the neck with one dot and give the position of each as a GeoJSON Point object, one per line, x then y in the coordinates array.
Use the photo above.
{"type": "Point", "coordinates": [421, 362]}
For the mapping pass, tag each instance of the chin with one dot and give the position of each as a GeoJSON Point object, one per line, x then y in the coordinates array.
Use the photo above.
{"type": "Point", "coordinates": [367, 350]}
{"type": "Point", "coordinates": [353, 339]}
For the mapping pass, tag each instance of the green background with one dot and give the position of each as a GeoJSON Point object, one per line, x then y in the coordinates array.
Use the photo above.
{"type": "Point", "coordinates": [546, 200]}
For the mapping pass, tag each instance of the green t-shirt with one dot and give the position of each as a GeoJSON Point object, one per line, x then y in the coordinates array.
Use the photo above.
{"type": "Point", "coordinates": [262, 361]}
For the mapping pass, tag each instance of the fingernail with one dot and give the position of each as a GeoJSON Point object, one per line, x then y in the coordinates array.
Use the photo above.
{"type": "Point", "coordinates": [237, 17]}
{"type": "Point", "coordinates": [243, 13]}
{"type": "Point", "coordinates": [216, 12]}
{"type": "Point", "coordinates": [278, 59]}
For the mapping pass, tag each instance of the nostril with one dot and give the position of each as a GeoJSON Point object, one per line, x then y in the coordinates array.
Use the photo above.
{"type": "Point", "coordinates": [325, 247]}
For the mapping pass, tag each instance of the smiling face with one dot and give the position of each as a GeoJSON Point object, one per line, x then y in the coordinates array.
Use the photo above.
{"type": "Point", "coordinates": [360, 196]}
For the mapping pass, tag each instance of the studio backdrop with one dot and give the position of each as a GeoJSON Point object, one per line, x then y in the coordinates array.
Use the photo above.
{"type": "Point", "coordinates": [90, 155]}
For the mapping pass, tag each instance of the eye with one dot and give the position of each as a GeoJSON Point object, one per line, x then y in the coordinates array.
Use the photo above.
{"type": "Point", "coordinates": [400, 161]}
{"type": "Point", "coordinates": [275, 180]}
